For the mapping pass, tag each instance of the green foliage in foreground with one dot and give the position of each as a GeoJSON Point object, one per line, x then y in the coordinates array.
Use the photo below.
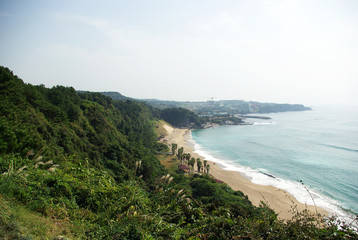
{"type": "Point", "coordinates": [89, 203]}
{"type": "Point", "coordinates": [82, 166]}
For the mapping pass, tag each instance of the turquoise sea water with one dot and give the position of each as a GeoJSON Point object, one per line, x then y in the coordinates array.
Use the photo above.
{"type": "Point", "coordinates": [319, 147]}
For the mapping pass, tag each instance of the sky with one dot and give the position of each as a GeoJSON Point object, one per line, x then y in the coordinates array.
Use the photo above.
{"type": "Point", "coordinates": [283, 51]}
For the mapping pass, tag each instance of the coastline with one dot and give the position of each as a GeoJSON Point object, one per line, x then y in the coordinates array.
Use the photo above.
{"type": "Point", "coordinates": [277, 199]}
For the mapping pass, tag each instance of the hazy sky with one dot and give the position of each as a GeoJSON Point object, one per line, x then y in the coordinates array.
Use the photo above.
{"type": "Point", "coordinates": [273, 51]}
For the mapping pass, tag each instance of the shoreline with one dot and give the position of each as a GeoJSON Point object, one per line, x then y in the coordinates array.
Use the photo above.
{"type": "Point", "coordinates": [277, 199]}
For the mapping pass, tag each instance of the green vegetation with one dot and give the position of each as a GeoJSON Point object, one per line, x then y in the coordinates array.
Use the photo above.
{"type": "Point", "coordinates": [181, 117]}
{"type": "Point", "coordinates": [83, 166]}
{"type": "Point", "coordinates": [217, 108]}
{"type": "Point", "coordinates": [174, 148]}
{"type": "Point", "coordinates": [115, 95]}
{"type": "Point", "coordinates": [224, 120]}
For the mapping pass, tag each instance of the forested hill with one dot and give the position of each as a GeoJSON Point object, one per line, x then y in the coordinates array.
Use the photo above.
{"type": "Point", "coordinates": [215, 107]}
{"type": "Point", "coordinates": [115, 95]}
{"type": "Point", "coordinates": [84, 166]}
{"type": "Point", "coordinates": [228, 106]}
{"type": "Point", "coordinates": [58, 121]}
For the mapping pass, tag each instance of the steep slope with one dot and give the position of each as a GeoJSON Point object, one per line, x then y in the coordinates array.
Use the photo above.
{"type": "Point", "coordinates": [58, 121]}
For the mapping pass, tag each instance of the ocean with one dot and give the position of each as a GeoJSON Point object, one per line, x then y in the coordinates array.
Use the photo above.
{"type": "Point", "coordinates": [318, 147]}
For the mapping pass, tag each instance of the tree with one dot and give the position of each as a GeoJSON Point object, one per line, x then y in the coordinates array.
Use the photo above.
{"type": "Point", "coordinates": [192, 163]}
{"type": "Point", "coordinates": [174, 148]}
{"type": "Point", "coordinates": [205, 162]}
{"type": "Point", "coordinates": [207, 168]}
{"type": "Point", "coordinates": [180, 155]}
{"type": "Point", "coordinates": [184, 156]}
{"type": "Point", "coordinates": [187, 157]}
{"type": "Point", "coordinates": [199, 164]}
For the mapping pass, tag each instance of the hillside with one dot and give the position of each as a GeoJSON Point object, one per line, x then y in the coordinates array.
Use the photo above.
{"type": "Point", "coordinates": [216, 107]}
{"type": "Point", "coordinates": [230, 107]}
{"type": "Point", "coordinates": [115, 95]}
{"type": "Point", "coordinates": [80, 165]}
{"type": "Point", "coordinates": [210, 113]}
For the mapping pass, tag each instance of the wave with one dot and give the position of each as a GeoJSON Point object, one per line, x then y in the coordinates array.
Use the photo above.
{"type": "Point", "coordinates": [340, 148]}
{"type": "Point", "coordinates": [302, 193]}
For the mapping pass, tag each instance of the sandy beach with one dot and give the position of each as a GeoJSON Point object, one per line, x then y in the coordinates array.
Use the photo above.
{"type": "Point", "coordinates": [279, 200]}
